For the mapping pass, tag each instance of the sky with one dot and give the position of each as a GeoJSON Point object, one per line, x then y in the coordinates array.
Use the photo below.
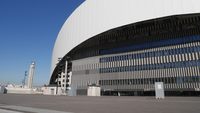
{"type": "Point", "coordinates": [28, 30]}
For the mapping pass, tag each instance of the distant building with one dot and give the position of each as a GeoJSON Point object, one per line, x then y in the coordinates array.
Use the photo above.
{"type": "Point", "coordinates": [24, 89]}
{"type": "Point", "coordinates": [2, 89]}
{"type": "Point", "coordinates": [17, 89]}
{"type": "Point", "coordinates": [126, 46]}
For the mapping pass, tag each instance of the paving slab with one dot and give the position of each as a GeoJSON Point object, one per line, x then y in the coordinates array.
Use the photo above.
{"type": "Point", "coordinates": [21, 109]}
{"type": "Point", "coordinates": [112, 104]}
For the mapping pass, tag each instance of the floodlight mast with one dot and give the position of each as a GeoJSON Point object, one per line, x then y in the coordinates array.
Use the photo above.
{"type": "Point", "coordinates": [24, 80]}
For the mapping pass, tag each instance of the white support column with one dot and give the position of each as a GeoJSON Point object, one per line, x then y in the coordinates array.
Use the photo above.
{"type": "Point", "coordinates": [30, 75]}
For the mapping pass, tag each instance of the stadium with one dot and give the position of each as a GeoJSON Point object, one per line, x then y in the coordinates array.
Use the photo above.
{"type": "Point", "coordinates": [125, 47]}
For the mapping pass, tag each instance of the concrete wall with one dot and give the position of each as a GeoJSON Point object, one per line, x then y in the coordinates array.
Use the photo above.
{"type": "Point", "coordinates": [94, 91]}
{"type": "Point", "coordinates": [52, 91]}
{"type": "Point", "coordinates": [19, 91]}
{"type": "Point", "coordinates": [84, 72]}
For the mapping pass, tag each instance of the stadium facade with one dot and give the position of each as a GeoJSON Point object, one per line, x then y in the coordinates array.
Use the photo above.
{"type": "Point", "coordinates": [125, 47]}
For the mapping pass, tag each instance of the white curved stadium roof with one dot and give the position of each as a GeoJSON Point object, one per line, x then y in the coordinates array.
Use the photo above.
{"type": "Point", "coordinates": [93, 17]}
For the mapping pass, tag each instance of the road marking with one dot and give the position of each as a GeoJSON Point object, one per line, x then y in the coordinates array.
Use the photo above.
{"type": "Point", "coordinates": [21, 109]}
{"type": "Point", "coordinates": [8, 111]}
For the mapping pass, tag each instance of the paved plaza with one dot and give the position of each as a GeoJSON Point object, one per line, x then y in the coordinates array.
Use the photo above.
{"type": "Point", "coordinates": [13, 103]}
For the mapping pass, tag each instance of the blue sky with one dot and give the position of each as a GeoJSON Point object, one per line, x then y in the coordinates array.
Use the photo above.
{"type": "Point", "coordinates": [28, 30]}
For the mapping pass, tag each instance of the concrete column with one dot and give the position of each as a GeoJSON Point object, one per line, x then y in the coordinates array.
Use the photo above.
{"type": "Point", "coordinates": [31, 74]}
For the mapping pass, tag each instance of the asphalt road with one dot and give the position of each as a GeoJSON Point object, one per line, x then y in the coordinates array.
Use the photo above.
{"type": "Point", "coordinates": [83, 104]}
